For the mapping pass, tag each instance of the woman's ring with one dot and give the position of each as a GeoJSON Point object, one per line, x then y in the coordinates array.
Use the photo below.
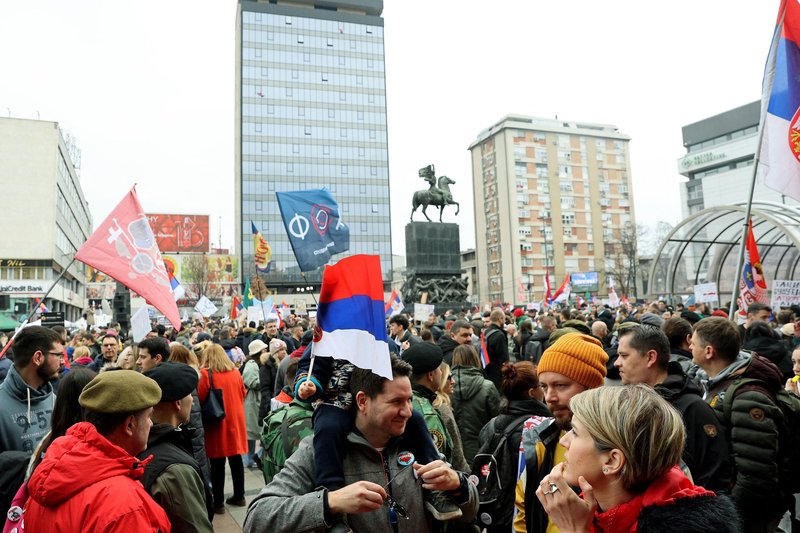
{"type": "Point", "coordinates": [553, 489]}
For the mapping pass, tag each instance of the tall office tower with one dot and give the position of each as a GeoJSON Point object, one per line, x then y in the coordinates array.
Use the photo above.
{"type": "Point", "coordinates": [45, 219]}
{"type": "Point", "coordinates": [311, 113]}
{"type": "Point", "coordinates": [550, 196]}
{"type": "Point", "coordinates": [719, 161]}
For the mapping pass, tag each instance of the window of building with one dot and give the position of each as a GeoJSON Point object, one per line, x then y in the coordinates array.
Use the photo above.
{"type": "Point", "coordinates": [330, 41]}
{"type": "Point", "coordinates": [307, 130]}
{"type": "Point", "coordinates": [567, 202]}
{"type": "Point", "coordinates": [295, 148]}
{"type": "Point", "coordinates": [568, 219]}
{"type": "Point", "coordinates": [324, 76]}
{"type": "Point", "coordinates": [301, 39]}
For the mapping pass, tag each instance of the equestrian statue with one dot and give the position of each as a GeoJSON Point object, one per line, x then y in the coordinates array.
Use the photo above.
{"type": "Point", "coordinates": [438, 194]}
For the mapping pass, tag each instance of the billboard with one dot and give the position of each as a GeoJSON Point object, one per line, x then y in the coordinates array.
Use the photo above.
{"type": "Point", "coordinates": [213, 275]}
{"type": "Point", "coordinates": [584, 281]}
{"type": "Point", "coordinates": [180, 233]}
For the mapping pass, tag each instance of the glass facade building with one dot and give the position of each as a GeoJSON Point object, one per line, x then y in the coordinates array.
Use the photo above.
{"type": "Point", "coordinates": [311, 113]}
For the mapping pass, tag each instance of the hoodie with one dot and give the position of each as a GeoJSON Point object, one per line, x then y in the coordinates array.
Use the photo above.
{"type": "Point", "coordinates": [87, 483]}
{"type": "Point", "coordinates": [24, 413]}
{"type": "Point", "coordinates": [706, 451]}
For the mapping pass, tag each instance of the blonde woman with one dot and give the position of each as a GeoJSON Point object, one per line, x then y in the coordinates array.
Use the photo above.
{"type": "Point", "coordinates": [442, 406]}
{"type": "Point", "coordinates": [127, 359]}
{"type": "Point", "coordinates": [226, 438]}
{"type": "Point", "coordinates": [623, 452]}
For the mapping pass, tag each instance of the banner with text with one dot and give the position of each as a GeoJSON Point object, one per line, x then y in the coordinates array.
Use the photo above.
{"type": "Point", "coordinates": [785, 293]}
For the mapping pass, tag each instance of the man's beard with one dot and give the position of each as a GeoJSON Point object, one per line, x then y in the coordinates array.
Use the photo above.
{"type": "Point", "coordinates": [45, 376]}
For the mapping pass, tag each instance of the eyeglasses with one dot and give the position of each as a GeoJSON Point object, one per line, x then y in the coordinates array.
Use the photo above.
{"type": "Point", "coordinates": [450, 378]}
{"type": "Point", "coordinates": [56, 354]}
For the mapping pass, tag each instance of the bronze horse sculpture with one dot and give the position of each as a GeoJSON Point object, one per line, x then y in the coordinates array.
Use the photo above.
{"type": "Point", "coordinates": [438, 194]}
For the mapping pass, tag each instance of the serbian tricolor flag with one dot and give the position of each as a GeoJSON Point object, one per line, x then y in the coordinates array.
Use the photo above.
{"type": "Point", "coordinates": [752, 287]}
{"type": "Point", "coordinates": [484, 352]}
{"type": "Point", "coordinates": [779, 157]}
{"type": "Point", "coordinates": [563, 291]}
{"type": "Point", "coordinates": [123, 246]}
{"type": "Point", "coordinates": [42, 308]}
{"type": "Point", "coordinates": [351, 315]}
{"type": "Point", "coordinates": [177, 289]}
{"type": "Point", "coordinates": [285, 311]}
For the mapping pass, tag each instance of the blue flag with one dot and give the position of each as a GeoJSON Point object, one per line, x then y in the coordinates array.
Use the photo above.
{"type": "Point", "coordinates": [314, 226]}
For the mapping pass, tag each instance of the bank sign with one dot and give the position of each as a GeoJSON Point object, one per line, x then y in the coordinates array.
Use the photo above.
{"type": "Point", "coordinates": [19, 287]}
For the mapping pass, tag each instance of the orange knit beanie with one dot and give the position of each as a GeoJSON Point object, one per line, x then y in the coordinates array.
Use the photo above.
{"type": "Point", "coordinates": [579, 357]}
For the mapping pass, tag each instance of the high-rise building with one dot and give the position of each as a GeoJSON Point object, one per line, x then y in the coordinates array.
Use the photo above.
{"type": "Point", "coordinates": [45, 219]}
{"type": "Point", "coordinates": [311, 113]}
{"type": "Point", "coordinates": [551, 196]}
{"type": "Point", "coordinates": [719, 161]}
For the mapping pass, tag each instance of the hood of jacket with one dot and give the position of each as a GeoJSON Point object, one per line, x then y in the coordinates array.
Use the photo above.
{"type": "Point", "coordinates": [677, 384]}
{"type": "Point", "coordinates": [742, 360]}
{"type": "Point", "coordinates": [469, 381]}
{"type": "Point", "coordinates": [227, 344]}
{"type": "Point", "coordinates": [446, 343]}
{"type": "Point", "coordinates": [773, 349]}
{"type": "Point", "coordinates": [77, 460]}
{"type": "Point", "coordinates": [529, 406]}
{"type": "Point", "coordinates": [754, 366]}
{"type": "Point", "coordinates": [180, 436]}
{"type": "Point", "coordinates": [16, 387]}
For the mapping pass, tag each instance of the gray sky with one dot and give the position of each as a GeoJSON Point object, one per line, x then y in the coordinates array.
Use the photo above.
{"type": "Point", "coordinates": [149, 91]}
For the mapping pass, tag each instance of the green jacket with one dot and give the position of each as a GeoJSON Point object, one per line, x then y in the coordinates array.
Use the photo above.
{"type": "Point", "coordinates": [282, 432]}
{"type": "Point", "coordinates": [475, 402]}
{"type": "Point", "coordinates": [441, 437]}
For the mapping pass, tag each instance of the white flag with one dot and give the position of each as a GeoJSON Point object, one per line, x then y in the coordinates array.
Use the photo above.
{"type": "Point", "coordinates": [140, 324]}
{"type": "Point", "coordinates": [205, 307]}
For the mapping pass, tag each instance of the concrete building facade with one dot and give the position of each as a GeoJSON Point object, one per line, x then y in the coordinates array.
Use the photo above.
{"type": "Point", "coordinates": [311, 113]}
{"type": "Point", "coordinates": [45, 219]}
{"type": "Point", "coordinates": [550, 196]}
{"type": "Point", "coordinates": [720, 152]}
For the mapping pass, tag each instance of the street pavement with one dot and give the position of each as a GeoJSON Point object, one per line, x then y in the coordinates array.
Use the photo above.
{"type": "Point", "coordinates": [233, 519]}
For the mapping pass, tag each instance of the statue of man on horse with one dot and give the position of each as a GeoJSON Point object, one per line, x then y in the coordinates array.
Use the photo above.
{"type": "Point", "coordinates": [438, 194]}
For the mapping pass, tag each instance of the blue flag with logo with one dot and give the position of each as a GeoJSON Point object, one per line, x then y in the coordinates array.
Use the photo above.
{"type": "Point", "coordinates": [314, 226]}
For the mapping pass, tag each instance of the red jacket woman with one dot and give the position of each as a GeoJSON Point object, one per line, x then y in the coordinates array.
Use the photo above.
{"type": "Point", "coordinates": [226, 438]}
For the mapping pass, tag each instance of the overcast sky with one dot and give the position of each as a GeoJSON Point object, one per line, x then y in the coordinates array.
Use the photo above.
{"type": "Point", "coordinates": [148, 88]}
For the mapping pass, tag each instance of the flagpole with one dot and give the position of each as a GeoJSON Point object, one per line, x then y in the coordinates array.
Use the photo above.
{"type": "Point", "coordinates": [766, 90]}
{"type": "Point", "coordinates": [33, 310]}
{"type": "Point", "coordinates": [311, 364]}
{"type": "Point", "coordinates": [746, 223]}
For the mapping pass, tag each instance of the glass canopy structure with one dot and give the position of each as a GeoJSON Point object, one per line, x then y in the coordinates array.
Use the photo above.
{"type": "Point", "coordinates": [705, 248]}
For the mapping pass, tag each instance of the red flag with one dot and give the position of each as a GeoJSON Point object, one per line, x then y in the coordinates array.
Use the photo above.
{"type": "Point", "coordinates": [123, 246]}
{"type": "Point", "coordinates": [235, 307]}
{"type": "Point", "coordinates": [548, 295]}
{"type": "Point", "coordinates": [563, 291]}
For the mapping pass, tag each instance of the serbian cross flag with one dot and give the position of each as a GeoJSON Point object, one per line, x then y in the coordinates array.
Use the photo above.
{"type": "Point", "coordinates": [752, 287]}
{"type": "Point", "coordinates": [394, 305]}
{"type": "Point", "coordinates": [779, 158]}
{"type": "Point", "coordinates": [350, 316]}
{"type": "Point", "coordinates": [123, 246]}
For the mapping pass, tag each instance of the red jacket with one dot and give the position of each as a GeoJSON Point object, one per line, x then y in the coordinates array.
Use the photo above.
{"type": "Point", "coordinates": [228, 436]}
{"type": "Point", "coordinates": [87, 483]}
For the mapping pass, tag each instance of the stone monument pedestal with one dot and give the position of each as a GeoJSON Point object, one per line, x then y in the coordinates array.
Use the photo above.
{"type": "Point", "coordinates": [433, 266]}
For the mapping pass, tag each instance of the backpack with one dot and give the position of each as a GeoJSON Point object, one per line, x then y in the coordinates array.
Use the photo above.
{"type": "Point", "coordinates": [281, 435]}
{"type": "Point", "coordinates": [497, 476]}
{"type": "Point", "coordinates": [533, 351]}
{"type": "Point", "coordinates": [788, 429]}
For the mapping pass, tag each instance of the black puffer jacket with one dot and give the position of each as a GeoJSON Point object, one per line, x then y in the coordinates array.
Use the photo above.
{"type": "Point", "coordinates": [447, 344]}
{"type": "Point", "coordinates": [706, 450]}
{"type": "Point", "coordinates": [774, 350]}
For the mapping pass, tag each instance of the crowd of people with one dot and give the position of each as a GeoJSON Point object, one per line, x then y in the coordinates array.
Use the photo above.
{"type": "Point", "coordinates": [641, 418]}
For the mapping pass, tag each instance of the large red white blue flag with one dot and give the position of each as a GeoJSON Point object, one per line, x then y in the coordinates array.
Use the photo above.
{"type": "Point", "coordinates": [350, 317]}
{"type": "Point", "coordinates": [779, 158]}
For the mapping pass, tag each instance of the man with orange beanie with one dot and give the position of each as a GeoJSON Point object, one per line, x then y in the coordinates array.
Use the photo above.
{"type": "Point", "coordinates": [574, 363]}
